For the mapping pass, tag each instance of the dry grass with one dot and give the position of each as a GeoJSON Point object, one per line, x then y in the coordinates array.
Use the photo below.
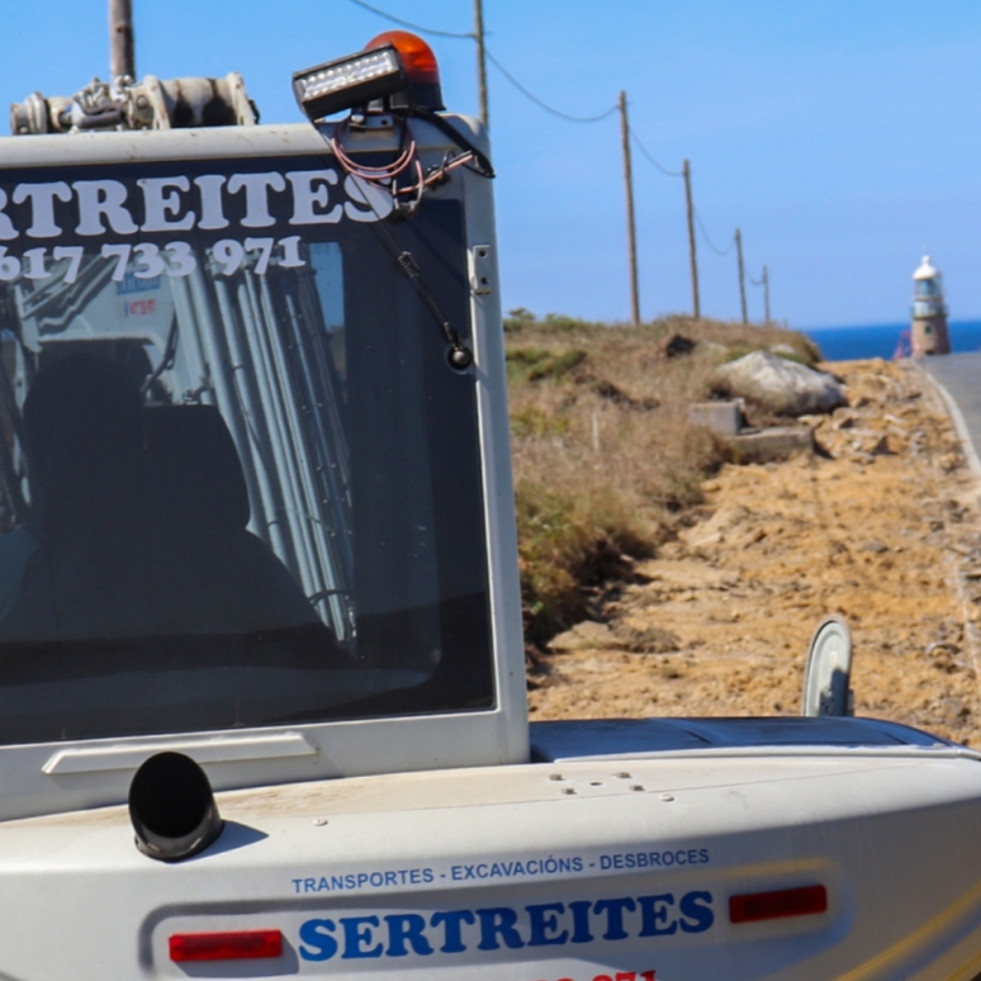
{"type": "Point", "coordinates": [606, 462]}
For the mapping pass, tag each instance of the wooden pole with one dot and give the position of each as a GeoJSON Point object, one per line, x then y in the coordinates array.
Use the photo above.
{"type": "Point", "coordinates": [631, 231]}
{"type": "Point", "coordinates": [742, 275]}
{"type": "Point", "coordinates": [766, 294]}
{"type": "Point", "coordinates": [478, 17]}
{"type": "Point", "coordinates": [692, 256]}
{"type": "Point", "coordinates": [122, 57]}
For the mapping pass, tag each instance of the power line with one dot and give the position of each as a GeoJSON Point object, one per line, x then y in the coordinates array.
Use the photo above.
{"type": "Point", "coordinates": [409, 24]}
{"type": "Point", "coordinates": [708, 240]}
{"type": "Point", "coordinates": [660, 167]}
{"type": "Point", "coordinates": [544, 105]}
{"type": "Point", "coordinates": [473, 37]}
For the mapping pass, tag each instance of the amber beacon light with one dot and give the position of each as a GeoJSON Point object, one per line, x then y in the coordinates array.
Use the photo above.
{"type": "Point", "coordinates": [396, 67]}
{"type": "Point", "coordinates": [420, 66]}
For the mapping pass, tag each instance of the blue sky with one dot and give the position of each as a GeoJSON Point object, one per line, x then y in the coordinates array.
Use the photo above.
{"type": "Point", "coordinates": [843, 137]}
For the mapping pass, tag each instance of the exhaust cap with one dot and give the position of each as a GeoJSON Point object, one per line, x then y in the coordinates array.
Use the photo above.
{"type": "Point", "coordinates": [172, 808]}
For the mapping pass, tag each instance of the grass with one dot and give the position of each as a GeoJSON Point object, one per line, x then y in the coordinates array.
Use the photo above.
{"type": "Point", "coordinates": [607, 465]}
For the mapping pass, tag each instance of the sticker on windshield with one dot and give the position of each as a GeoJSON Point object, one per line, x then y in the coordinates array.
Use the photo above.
{"type": "Point", "coordinates": [167, 226]}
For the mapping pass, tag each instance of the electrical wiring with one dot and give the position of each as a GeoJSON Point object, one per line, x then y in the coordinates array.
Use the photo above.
{"type": "Point", "coordinates": [386, 172]}
{"type": "Point", "coordinates": [709, 241]}
{"type": "Point", "coordinates": [544, 105]}
{"type": "Point", "coordinates": [664, 170]}
{"type": "Point", "coordinates": [409, 24]}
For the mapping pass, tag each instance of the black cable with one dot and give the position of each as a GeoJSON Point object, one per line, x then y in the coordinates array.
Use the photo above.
{"type": "Point", "coordinates": [409, 24]}
{"type": "Point", "coordinates": [543, 105]}
{"type": "Point", "coordinates": [708, 240]}
{"type": "Point", "coordinates": [644, 151]}
{"type": "Point", "coordinates": [484, 166]}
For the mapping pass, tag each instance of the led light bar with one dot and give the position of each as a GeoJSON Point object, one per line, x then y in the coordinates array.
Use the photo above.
{"type": "Point", "coordinates": [348, 82]}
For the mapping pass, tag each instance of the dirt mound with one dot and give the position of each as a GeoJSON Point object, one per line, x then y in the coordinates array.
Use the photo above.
{"type": "Point", "coordinates": [880, 526]}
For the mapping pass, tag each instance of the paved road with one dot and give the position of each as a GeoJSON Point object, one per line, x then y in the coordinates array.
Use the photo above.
{"type": "Point", "coordinates": [959, 376]}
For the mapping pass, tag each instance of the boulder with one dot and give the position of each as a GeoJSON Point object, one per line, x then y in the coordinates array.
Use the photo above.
{"type": "Point", "coordinates": [783, 386]}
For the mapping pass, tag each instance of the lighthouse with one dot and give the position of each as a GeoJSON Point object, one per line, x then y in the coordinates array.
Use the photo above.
{"type": "Point", "coordinates": [929, 333]}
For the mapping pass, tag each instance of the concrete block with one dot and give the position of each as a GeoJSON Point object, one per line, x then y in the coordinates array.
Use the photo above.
{"type": "Point", "coordinates": [724, 418]}
{"type": "Point", "coordinates": [772, 443]}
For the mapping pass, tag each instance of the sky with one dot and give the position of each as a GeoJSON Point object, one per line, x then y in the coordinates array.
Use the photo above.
{"type": "Point", "coordinates": [842, 137]}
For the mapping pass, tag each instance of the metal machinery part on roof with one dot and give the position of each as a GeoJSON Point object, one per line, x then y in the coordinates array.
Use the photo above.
{"type": "Point", "coordinates": [259, 602]}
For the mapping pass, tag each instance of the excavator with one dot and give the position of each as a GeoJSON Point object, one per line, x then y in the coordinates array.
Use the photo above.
{"type": "Point", "coordinates": [262, 690]}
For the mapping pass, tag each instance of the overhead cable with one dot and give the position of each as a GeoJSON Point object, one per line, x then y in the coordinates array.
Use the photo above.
{"type": "Point", "coordinates": [708, 240]}
{"type": "Point", "coordinates": [409, 24]}
{"type": "Point", "coordinates": [543, 105]}
{"type": "Point", "coordinates": [660, 167]}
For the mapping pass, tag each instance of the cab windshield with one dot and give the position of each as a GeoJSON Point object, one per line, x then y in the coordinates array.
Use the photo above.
{"type": "Point", "coordinates": [240, 480]}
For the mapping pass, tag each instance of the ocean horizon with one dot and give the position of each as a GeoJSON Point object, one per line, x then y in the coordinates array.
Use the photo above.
{"type": "Point", "coordinates": [885, 340]}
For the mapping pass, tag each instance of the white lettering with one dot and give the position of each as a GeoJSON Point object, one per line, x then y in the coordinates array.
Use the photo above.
{"type": "Point", "coordinates": [309, 202]}
{"type": "Point", "coordinates": [179, 204]}
{"type": "Point", "coordinates": [212, 215]}
{"type": "Point", "coordinates": [161, 198]}
{"type": "Point", "coordinates": [102, 199]}
{"type": "Point", "coordinates": [376, 200]}
{"type": "Point", "coordinates": [257, 187]}
{"type": "Point", "coordinates": [42, 197]}
{"type": "Point", "coordinates": [7, 230]}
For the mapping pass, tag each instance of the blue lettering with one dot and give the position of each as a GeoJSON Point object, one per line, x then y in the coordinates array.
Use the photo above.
{"type": "Point", "coordinates": [451, 920]}
{"type": "Point", "coordinates": [614, 916]}
{"type": "Point", "coordinates": [403, 927]}
{"type": "Point", "coordinates": [316, 933]}
{"type": "Point", "coordinates": [580, 921]}
{"type": "Point", "coordinates": [499, 921]}
{"type": "Point", "coordinates": [399, 935]}
{"type": "Point", "coordinates": [697, 909]}
{"type": "Point", "coordinates": [543, 918]}
{"type": "Point", "coordinates": [358, 935]}
{"type": "Point", "coordinates": [654, 910]}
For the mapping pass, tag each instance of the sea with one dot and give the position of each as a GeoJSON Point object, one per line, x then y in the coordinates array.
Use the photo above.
{"type": "Point", "coordinates": [886, 340]}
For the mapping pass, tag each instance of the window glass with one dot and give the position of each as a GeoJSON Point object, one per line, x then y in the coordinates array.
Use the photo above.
{"type": "Point", "coordinates": [241, 483]}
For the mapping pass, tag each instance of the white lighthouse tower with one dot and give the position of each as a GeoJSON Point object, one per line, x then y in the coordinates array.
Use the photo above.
{"type": "Point", "coordinates": [929, 333]}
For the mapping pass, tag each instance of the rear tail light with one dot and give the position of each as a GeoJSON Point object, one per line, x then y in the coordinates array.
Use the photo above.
{"type": "Point", "coordinates": [777, 904]}
{"type": "Point", "coordinates": [234, 946]}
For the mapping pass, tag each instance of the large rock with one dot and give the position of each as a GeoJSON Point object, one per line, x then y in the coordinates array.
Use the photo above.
{"type": "Point", "coordinates": [784, 386]}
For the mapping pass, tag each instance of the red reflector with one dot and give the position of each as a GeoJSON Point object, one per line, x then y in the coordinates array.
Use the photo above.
{"type": "Point", "coordinates": [781, 902]}
{"type": "Point", "coordinates": [238, 946]}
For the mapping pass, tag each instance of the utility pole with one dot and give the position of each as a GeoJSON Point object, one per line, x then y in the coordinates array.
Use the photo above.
{"type": "Point", "coordinates": [742, 275]}
{"type": "Point", "coordinates": [478, 21]}
{"type": "Point", "coordinates": [631, 232]}
{"type": "Point", "coordinates": [766, 295]}
{"type": "Point", "coordinates": [122, 59]}
{"type": "Point", "coordinates": [686, 171]}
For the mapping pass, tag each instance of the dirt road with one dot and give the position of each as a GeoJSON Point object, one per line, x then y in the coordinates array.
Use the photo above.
{"type": "Point", "coordinates": [881, 527]}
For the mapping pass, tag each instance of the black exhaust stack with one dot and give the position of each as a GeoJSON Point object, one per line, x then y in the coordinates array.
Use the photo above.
{"type": "Point", "coordinates": [172, 808]}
